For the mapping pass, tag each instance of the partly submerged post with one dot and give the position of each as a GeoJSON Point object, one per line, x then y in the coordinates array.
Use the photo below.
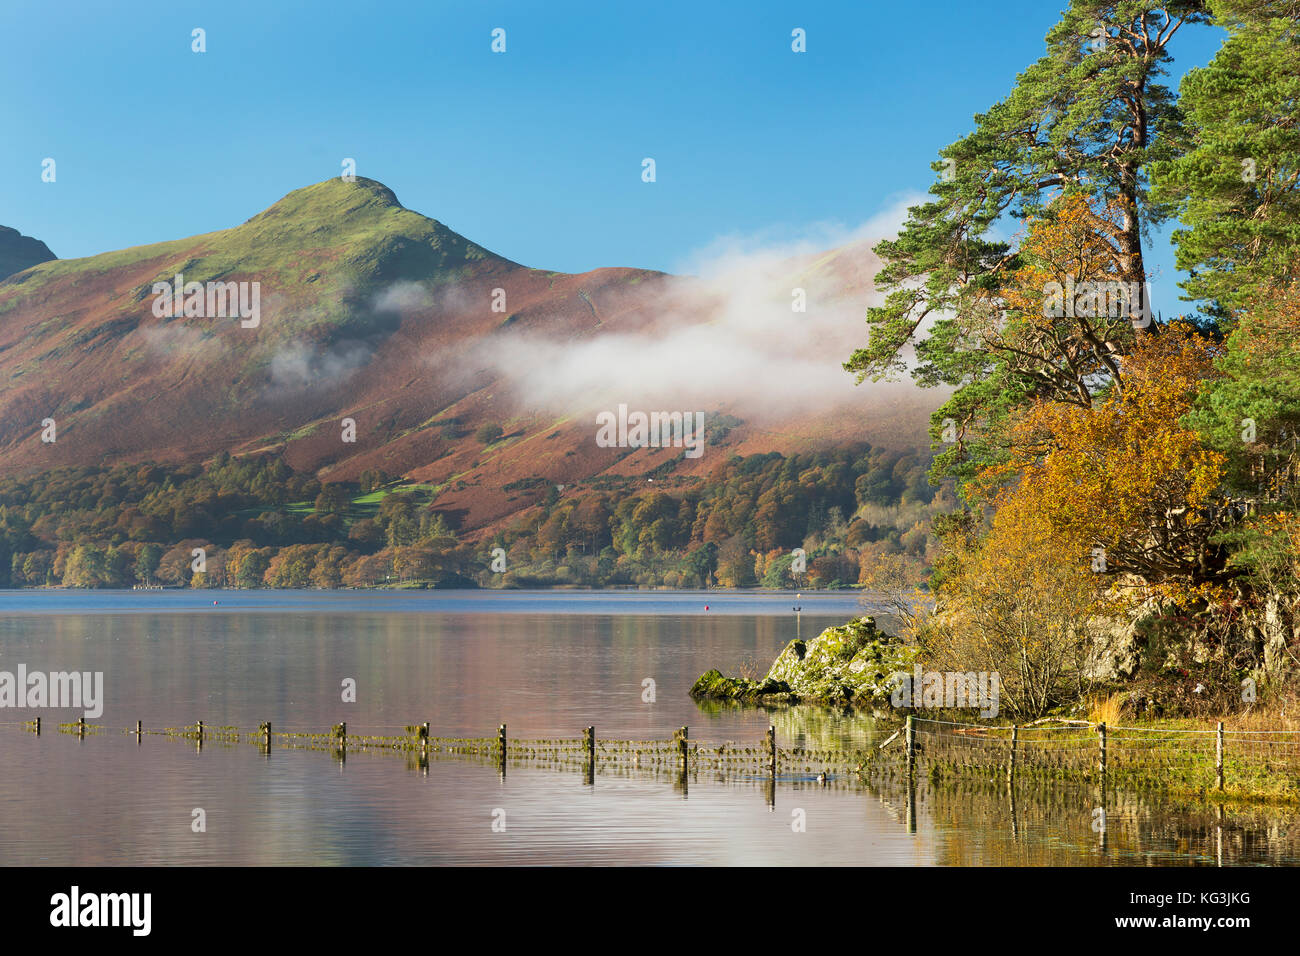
{"type": "Point", "coordinates": [81, 726]}
{"type": "Point", "coordinates": [139, 728]}
{"type": "Point", "coordinates": [771, 750]}
{"type": "Point", "coordinates": [1101, 742]}
{"type": "Point", "coordinates": [681, 746]}
{"type": "Point", "coordinates": [199, 730]}
{"type": "Point", "coordinates": [343, 735]}
{"type": "Point", "coordinates": [589, 756]}
{"type": "Point", "coordinates": [1011, 764]}
{"type": "Point", "coordinates": [501, 742]}
{"type": "Point", "coordinates": [38, 726]}
{"type": "Point", "coordinates": [1218, 757]}
{"type": "Point", "coordinates": [910, 741]}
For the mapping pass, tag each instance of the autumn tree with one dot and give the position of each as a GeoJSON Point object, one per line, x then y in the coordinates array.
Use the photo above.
{"type": "Point", "coordinates": [1127, 476]}
{"type": "Point", "coordinates": [1022, 602]}
{"type": "Point", "coordinates": [892, 584]}
{"type": "Point", "coordinates": [1088, 117]}
{"type": "Point", "coordinates": [1053, 331]}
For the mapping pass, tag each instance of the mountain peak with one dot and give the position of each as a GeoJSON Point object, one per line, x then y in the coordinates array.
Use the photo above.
{"type": "Point", "coordinates": [334, 197]}
{"type": "Point", "coordinates": [19, 252]}
{"type": "Point", "coordinates": [360, 222]}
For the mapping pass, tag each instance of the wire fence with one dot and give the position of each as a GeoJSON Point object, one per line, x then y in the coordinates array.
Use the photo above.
{"type": "Point", "coordinates": [676, 752]}
{"type": "Point", "coordinates": [1185, 759]}
{"type": "Point", "coordinates": [1249, 762]}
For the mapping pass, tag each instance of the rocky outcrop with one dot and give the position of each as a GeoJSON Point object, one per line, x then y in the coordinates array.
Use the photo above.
{"type": "Point", "coordinates": [19, 252]}
{"type": "Point", "coordinates": [1277, 630]}
{"type": "Point", "coordinates": [847, 665]}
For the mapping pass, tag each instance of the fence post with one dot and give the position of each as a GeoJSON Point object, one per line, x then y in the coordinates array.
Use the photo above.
{"type": "Point", "coordinates": [343, 735]}
{"type": "Point", "coordinates": [771, 749]}
{"type": "Point", "coordinates": [1101, 742]}
{"type": "Point", "coordinates": [38, 726]}
{"type": "Point", "coordinates": [81, 726]}
{"type": "Point", "coordinates": [1218, 757]}
{"type": "Point", "coordinates": [139, 728]}
{"type": "Point", "coordinates": [1015, 739]}
{"type": "Point", "coordinates": [200, 730]}
{"type": "Point", "coordinates": [910, 743]}
{"type": "Point", "coordinates": [501, 741]}
{"type": "Point", "coordinates": [590, 734]}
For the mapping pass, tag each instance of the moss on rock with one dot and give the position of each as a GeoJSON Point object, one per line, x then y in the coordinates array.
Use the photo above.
{"type": "Point", "coordinates": [846, 665]}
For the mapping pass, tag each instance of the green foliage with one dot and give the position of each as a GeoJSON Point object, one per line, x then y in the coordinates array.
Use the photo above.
{"type": "Point", "coordinates": [1088, 118]}
{"type": "Point", "coordinates": [1237, 185]}
{"type": "Point", "coordinates": [1251, 411]}
{"type": "Point", "coordinates": [489, 433]}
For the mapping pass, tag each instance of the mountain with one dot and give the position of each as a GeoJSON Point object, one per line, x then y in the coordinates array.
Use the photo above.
{"type": "Point", "coordinates": [371, 312]}
{"type": "Point", "coordinates": [19, 252]}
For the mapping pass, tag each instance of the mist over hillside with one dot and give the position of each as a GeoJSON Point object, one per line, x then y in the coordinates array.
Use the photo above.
{"type": "Point", "coordinates": [371, 312]}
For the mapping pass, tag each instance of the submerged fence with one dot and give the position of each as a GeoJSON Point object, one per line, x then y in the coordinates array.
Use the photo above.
{"type": "Point", "coordinates": [678, 752]}
{"type": "Point", "coordinates": [1185, 759]}
{"type": "Point", "coordinates": [1253, 762]}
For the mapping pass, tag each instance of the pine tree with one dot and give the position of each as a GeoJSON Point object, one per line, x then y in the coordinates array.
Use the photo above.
{"type": "Point", "coordinates": [1237, 185]}
{"type": "Point", "coordinates": [1088, 118]}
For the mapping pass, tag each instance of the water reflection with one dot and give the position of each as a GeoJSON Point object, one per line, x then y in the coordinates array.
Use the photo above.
{"type": "Point", "coordinates": [112, 796]}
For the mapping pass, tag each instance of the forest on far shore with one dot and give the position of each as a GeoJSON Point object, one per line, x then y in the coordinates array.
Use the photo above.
{"type": "Point", "coordinates": [820, 520]}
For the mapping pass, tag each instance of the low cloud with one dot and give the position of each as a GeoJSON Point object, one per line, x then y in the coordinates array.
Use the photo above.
{"type": "Point", "coordinates": [725, 333]}
{"type": "Point", "coordinates": [166, 341]}
{"type": "Point", "coordinates": [300, 365]}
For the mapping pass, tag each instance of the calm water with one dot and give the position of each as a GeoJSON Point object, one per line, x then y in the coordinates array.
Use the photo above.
{"type": "Point", "coordinates": [545, 663]}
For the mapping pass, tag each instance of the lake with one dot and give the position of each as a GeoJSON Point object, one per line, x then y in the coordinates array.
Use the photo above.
{"type": "Point", "coordinates": [544, 663]}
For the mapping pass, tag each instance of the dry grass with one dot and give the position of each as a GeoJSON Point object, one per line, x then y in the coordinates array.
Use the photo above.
{"type": "Point", "coordinates": [1106, 710]}
{"type": "Point", "coordinates": [1263, 719]}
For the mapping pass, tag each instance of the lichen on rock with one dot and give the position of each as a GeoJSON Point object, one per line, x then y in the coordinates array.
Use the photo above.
{"type": "Point", "coordinates": [851, 664]}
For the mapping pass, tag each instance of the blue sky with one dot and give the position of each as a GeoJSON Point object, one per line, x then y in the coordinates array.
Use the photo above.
{"type": "Point", "coordinates": [535, 153]}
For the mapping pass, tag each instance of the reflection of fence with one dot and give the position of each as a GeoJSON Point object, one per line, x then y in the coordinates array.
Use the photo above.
{"type": "Point", "coordinates": [1168, 758]}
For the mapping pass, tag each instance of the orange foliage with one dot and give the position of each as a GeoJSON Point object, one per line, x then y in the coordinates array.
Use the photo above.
{"type": "Point", "coordinates": [1125, 476]}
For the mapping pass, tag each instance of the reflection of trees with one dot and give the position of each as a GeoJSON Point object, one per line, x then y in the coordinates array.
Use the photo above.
{"type": "Point", "coordinates": [1044, 825]}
